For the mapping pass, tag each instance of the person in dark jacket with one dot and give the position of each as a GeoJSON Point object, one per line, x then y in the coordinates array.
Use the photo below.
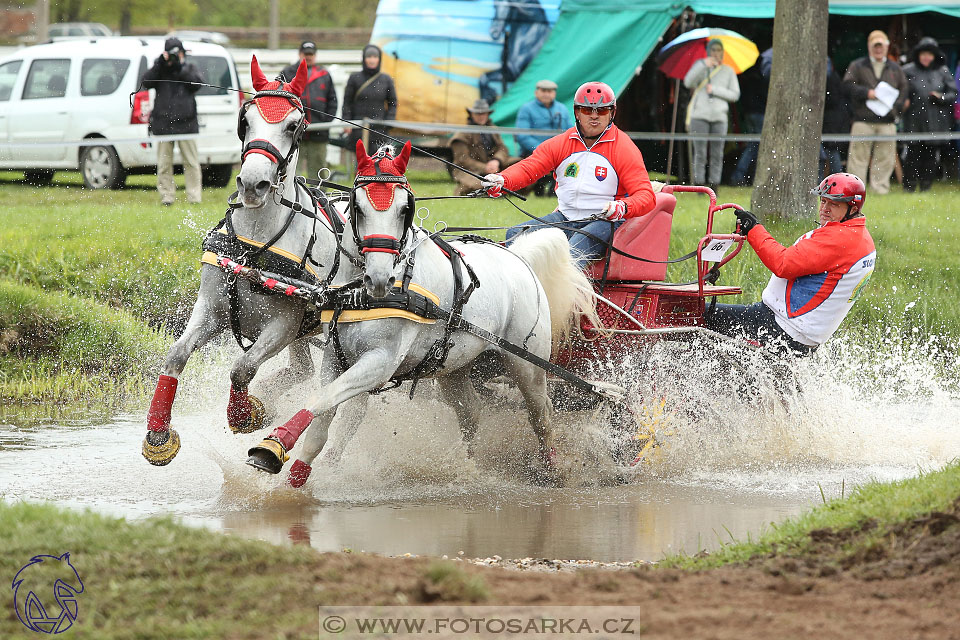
{"type": "Point", "coordinates": [319, 98]}
{"type": "Point", "coordinates": [369, 94]}
{"type": "Point", "coordinates": [481, 153]}
{"type": "Point", "coordinates": [175, 113]}
{"type": "Point", "coordinates": [933, 93]}
{"type": "Point", "coordinates": [862, 78]}
{"type": "Point", "coordinates": [836, 119]}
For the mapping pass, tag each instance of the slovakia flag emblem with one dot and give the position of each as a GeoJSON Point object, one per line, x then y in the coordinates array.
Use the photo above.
{"type": "Point", "coordinates": [600, 173]}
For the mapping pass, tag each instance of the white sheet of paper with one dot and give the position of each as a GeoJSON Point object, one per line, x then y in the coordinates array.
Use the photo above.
{"type": "Point", "coordinates": [715, 250]}
{"type": "Point", "coordinates": [886, 93]}
{"type": "Point", "coordinates": [878, 107]}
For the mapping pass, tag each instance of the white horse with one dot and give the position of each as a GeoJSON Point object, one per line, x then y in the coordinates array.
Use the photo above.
{"type": "Point", "coordinates": [262, 229]}
{"type": "Point", "coordinates": [527, 294]}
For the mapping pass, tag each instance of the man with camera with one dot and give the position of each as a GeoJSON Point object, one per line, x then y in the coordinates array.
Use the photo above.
{"type": "Point", "coordinates": [175, 113]}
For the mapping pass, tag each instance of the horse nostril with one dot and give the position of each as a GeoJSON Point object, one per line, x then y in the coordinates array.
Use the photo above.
{"type": "Point", "coordinates": [239, 185]}
{"type": "Point", "coordinates": [262, 187]}
{"type": "Point", "coordinates": [390, 282]}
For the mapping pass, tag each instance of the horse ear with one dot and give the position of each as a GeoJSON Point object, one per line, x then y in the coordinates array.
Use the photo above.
{"type": "Point", "coordinates": [300, 80]}
{"type": "Point", "coordinates": [401, 162]}
{"type": "Point", "coordinates": [363, 160]}
{"type": "Point", "coordinates": [259, 80]}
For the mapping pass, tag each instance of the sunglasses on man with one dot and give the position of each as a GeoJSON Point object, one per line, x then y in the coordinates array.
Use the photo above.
{"type": "Point", "coordinates": [600, 111]}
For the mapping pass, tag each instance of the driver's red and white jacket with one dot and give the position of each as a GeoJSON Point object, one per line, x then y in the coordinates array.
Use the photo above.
{"type": "Point", "coordinates": [587, 179]}
{"type": "Point", "coordinates": [816, 281]}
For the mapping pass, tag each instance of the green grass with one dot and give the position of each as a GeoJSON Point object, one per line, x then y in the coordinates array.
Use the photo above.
{"type": "Point", "coordinates": [122, 250]}
{"type": "Point", "coordinates": [880, 504]}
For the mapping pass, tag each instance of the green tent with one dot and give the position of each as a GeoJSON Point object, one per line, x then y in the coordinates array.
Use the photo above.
{"type": "Point", "coordinates": [609, 40]}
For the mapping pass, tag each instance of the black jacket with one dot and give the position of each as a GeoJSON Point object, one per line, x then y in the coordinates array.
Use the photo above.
{"type": "Point", "coordinates": [860, 79]}
{"type": "Point", "coordinates": [927, 113]}
{"type": "Point", "coordinates": [378, 100]}
{"type": "Point", "coordinates": [319, 94]}
{"type": "Point", "coordinates": [836, 109]}
{"type": "Point", "coordinates": [175, 108]}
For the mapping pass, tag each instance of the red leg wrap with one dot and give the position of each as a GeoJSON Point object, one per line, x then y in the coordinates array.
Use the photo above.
{"type": "Point", "coordinates": [299, 473]}
{"type": "Point", "coordinates": [238, 408]}
{"type": "Point", "coordinates": [288, 433]}
{"type": "Point", "coordinates": [158, 417]}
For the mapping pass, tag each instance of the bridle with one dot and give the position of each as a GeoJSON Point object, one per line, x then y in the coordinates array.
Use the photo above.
{"type": "Point", "coordinates": [265, 147]}
{"type": "Point", "coordinates": [381, 243]}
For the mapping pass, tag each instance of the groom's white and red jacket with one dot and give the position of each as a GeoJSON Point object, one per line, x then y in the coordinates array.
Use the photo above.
{"type": "Point", "coordinates": [612, 169]}
{"type": "Point", "coordinates": [816, 281]}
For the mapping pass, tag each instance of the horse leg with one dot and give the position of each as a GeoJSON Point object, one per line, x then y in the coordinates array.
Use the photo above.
{"type": "Point", "coordinates": [349, 417]}
{"type": "Point", "coordinates": [161, 444]}
{"type": "Point", "coordinates": [300, 368]}
{"type": "Point", "coordinates": [532, 382]}
{"type": "Point", "coordinates": [457, 390]}
{"type": "Point", "coordinates": [245, 412]}
{"type": "Point", "coordinates": [372, 370]}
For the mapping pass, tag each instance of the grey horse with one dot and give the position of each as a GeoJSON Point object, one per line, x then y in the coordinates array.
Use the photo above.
{"type": "Point", "coordinates": [270, 126]}
{"type": "Point", "coordinates": [527, 294]}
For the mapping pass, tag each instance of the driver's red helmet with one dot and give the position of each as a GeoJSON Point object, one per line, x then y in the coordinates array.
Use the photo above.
{"type": "Point", "coordinates": [843, 187]}
{"type": "Point", "coordinates": [594, 94]}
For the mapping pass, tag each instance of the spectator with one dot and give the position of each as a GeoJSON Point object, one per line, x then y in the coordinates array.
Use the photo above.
{"type": "Point", "coordinates": [933, 93]}
{"type": "Point", "coordinates": [601, 177]}
{"type": "Point", "coordinates": [481, 153]}
{"type": "Point", "coordinates": [836, 119]}
{"type": "Point", "coordinates": [714, 85]}
{"type": "Point", "coordinates": [755, 85]}
{"type": "Point", "coordinates": [543, 112]}
{"type": "Point", "coordinates": [814, 282]}
{"type": "Point", "coordinates": [319, 98]}
{"type": "Point", "coordinates": [175, 113]}
{"type": "Point", "coordinates": [369, 94]}
{"type": "Point", "coordinates": [862, 77]}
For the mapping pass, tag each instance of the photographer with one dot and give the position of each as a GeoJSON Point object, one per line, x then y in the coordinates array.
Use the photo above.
{"type": "Point", "coordinates": [174, 113]}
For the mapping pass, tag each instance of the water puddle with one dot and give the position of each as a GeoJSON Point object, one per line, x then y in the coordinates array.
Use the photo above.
{"type": "Point", "coordinates": [732, 464]}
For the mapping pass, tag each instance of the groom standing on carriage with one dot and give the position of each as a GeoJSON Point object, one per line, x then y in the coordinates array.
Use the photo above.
{"type": "Point", "coordinates": [600, 174]}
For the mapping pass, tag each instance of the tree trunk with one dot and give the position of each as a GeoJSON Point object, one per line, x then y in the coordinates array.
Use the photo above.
{"type": "Point", "coordinates": [787, 164]}
{"type": "Point", "coordinates": [125, 19]}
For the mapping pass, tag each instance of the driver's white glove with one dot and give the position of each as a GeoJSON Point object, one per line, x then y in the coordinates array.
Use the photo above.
{"type": "Point", "coordinates": [614, 210]}
{"type": "Point", "coordinates": [493, 184]}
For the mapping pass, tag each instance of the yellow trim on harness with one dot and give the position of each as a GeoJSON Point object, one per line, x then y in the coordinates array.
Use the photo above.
{"type": "Point", "coordinates": [378, 314]}
{"type": "Point", "coordinates": [211, 258]}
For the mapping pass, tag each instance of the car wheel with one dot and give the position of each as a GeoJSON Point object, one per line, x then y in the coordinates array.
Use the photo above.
{"type": "Point", "coordinates": [38, 177]}
{"type": "Point", "coordinates": [101, 169]}
{"type": "Point", "coordinates": [217, 175]}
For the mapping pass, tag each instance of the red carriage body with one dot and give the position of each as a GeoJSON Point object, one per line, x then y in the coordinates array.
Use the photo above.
{"type": "Point", "coordinates": [642, 306]}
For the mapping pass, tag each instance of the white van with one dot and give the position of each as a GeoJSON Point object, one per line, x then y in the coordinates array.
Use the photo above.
{"type": "Point", "coordinates": [81, 89]}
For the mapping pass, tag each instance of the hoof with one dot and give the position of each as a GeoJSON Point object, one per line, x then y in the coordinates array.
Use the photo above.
{"type": "Point", "coordinates": [299, 473]}
{"type": "Point", "coordinates": [254, 421]}
{"type": "Point", "coordinates": [160, 447]}
{"type": "Point", "coordinates": [547, 474]}
{"type": "Point", "coordinates": [268, 456]}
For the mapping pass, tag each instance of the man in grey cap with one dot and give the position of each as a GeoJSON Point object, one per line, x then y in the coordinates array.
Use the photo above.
{"type": "Point", "coordinates": [543, 112]}
{"type": "Point", "coordinates": [319, 98]}
{"type": "Point", "coordinates": [175, 113]}
{"type": "Point", "coordinates": [481, 153]}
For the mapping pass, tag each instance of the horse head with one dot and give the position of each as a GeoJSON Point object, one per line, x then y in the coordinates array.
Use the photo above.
{"type": "Point", "coordinates": [270, 133]}
{"type": "Point", "coordinates": [382, 214]}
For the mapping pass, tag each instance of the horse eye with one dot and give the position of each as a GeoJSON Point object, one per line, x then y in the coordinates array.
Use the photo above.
{"type": "Point", "coordinates": [292, 127]}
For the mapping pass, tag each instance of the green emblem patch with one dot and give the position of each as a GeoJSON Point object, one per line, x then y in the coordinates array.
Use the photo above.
{"type": "Point", "coordinates": [572, 170]}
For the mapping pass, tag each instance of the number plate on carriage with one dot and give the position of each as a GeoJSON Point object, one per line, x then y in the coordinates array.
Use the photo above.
{"type": "Point", "coordinates": [715, 250]}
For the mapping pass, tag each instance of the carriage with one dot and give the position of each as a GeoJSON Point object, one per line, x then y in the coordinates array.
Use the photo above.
{"type": "Point", "coordinates": [421, 290]}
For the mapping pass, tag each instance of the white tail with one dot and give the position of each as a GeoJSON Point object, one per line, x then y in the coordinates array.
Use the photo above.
{"type": "Point", "coordinates": [569, 293]}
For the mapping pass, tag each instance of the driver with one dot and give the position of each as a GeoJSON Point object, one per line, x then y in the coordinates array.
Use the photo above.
{"type": "Point", "coordinates": [815, 282]}
{"type": "Point", "coordinates": [599, 171]}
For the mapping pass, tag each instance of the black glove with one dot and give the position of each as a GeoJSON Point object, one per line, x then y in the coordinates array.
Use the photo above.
{"type": "Point", "coordinates": [747, 221]}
